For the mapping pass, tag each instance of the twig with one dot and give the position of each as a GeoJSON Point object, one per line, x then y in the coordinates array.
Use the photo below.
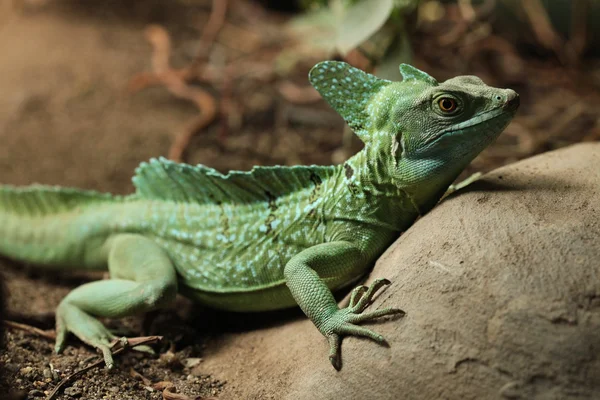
{"type": "Point", "coordinates": [512, 66]}
{"type": "Point", "coordinates": [161, 44]}
{"type": "Point", "coordinates": [543, 30]}
{"type": "Point", "coordinates": [579, 26]}
{"type": "Point", "coordinates": [227, 103]}
{"type": "Point", "coordinates": [48, 334]}
{"type": "Point", "coordinates": [136, 375]}
{"type": "Point", "coordinates": [169, 391]}
{"type": "Point", "coordinates": [130, 343]}
{"type": "Point", "coordinates": [159, 39]}
{"type": "Point", "coordinates": [454, 34]}
{"type": "Point", "coordinates": [471, 14]}
{"type": "Point", "coordinates": [182, 140]}
{"type": "Point", "coordinates": [210, 32]}
{"type": "Point", "coordinates": [466, 9]}
{"type": "Point", "coordinates": [175, 82]}
{"type": "Point", "coordinates": [565, 119]}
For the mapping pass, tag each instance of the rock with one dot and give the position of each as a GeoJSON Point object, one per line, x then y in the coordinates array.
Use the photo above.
{"type": "Point", "coordinates": [28, 372]}
{"type": "Point", "coordinates": [501, 285]}
{"type": "Point", "coordinates": [73, 392]}
{"type": "Point", "coordinates": [35, 393]}
{"type": "Point", "coordinates": [10, 367]}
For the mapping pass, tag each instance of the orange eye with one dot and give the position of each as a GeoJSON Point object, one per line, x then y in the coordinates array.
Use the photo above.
{"type": "Point", "coordinates": [447, 104]}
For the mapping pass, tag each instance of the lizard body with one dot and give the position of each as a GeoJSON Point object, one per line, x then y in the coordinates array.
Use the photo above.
{"type": "Point", "coordinates": [272, 237]}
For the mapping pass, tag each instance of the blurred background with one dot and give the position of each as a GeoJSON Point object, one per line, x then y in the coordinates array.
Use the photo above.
{"type": "Point", "coordinates": [90, 88]}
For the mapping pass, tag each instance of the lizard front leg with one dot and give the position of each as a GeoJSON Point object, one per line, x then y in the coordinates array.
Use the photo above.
{"type": "Point", "coordinates": [142, 278]}
{"type": "Point", "coordinates": [306, 276]}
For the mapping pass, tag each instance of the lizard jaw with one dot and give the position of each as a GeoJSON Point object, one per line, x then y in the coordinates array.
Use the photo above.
{"type": "Point", "coordinates": [475, 121]}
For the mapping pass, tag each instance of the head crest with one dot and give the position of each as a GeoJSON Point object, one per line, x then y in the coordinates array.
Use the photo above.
{"type": "Point", "coordinates": [410, 73]}
{"type": "Point", "coordinates": [348, 90]}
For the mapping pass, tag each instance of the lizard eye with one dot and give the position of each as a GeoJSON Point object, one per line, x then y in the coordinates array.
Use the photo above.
{"type": "Point", "coordinates": [447, 104]}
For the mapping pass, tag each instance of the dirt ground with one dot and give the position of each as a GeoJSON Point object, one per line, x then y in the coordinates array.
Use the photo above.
{"type": "Point", "coordinates": [68, 118]}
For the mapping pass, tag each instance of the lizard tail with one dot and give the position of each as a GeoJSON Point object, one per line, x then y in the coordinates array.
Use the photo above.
{"type": "Point", "coordinates": [47, 225]}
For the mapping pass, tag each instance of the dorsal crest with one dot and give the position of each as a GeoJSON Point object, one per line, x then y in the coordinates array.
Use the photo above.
{"type": "Point", "coordinates": [161, 179]}
{"type": "Point", "coordinates": [348, 90]}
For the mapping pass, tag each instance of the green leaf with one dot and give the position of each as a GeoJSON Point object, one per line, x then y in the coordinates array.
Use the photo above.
{"type": "Point", "coordinates": [398, 52]}
{"type": "Point", "coordinates": [315, 30]}
{"type": "Point", "coordinates": [359, 21]}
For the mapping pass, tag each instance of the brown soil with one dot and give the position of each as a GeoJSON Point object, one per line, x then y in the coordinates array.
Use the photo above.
{"type": "Point", "coordinates": [67, 118]}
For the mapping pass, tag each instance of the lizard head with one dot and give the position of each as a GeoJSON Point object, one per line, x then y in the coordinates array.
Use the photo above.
{"type": "Point", "coordinates": [417, 132]}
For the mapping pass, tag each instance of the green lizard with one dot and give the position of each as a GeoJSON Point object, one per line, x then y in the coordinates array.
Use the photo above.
{"type": "Point", "coordinates": [270, 238]}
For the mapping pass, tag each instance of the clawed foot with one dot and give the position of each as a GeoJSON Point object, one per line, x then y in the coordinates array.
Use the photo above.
{"type": "Point", "coordinates": [342, 322]}
{"type": "Point", "coordinates": [89, 330]}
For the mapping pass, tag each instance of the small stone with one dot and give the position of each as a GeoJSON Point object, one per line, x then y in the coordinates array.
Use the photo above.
{"type": "Point", "coordinates": [191, 362]}
{"type": "Point", "coordinates": [29, 372]}
{"type": "Point", "coordinates": [47, 373]}
{"type": "Point", "coordinates": [73, 392]}
{"type": "Point", "coordinates": [10, 367]}
{"type": "Point", "coordinates": [54, 372]}
{"type": "Point", "coordinates": [35, 393]}
{"type": "Point", "coordinates": [25, 371]}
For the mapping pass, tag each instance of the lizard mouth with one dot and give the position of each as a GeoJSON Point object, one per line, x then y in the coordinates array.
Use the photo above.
{"type": "Point", "coordinates": [475, 121]}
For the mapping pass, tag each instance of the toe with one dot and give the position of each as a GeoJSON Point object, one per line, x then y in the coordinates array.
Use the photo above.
{"type": "Point", "coordinates": [375, 314]}
{"type": "Point", "coordinates": [356, 295]}
{"type": "Point", "coordinates": [334, 351]}
{"type": "Point", "coordinates": [356, 330]}
{"type": "Point", "coordinates": [61, 337]}
{"type": "Point", "coordinates": [107, 355]}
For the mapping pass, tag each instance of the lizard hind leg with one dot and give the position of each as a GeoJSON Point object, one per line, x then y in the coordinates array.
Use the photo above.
{"type": "Point", "coordinates": [142, 278]}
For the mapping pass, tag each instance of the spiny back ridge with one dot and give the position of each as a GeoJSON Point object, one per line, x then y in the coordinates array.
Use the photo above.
{"type": "Point", "coordinates": [161, 179]}
{"type": "Point", "coordinates": [40, 200]}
